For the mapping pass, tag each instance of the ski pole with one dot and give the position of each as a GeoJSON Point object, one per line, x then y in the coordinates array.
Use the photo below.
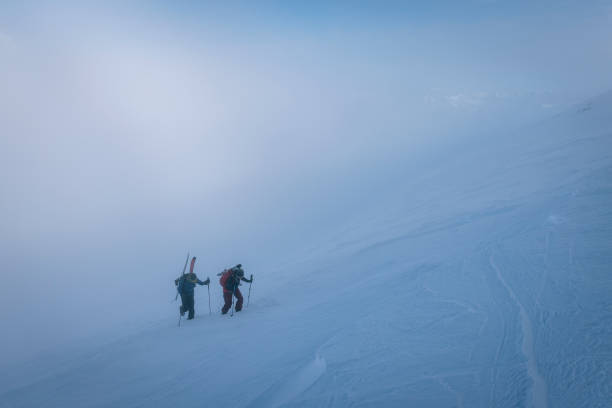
{"type": "Point", "coordinates": [233, 293]}
{"type": "Point", "coordinates": [250, 284]}
{"type": "Point", "coordinates": [209, 309]}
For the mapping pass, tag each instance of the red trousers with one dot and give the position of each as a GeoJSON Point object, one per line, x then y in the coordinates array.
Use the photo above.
{"type": "Point", "coordinates": [227, 296]}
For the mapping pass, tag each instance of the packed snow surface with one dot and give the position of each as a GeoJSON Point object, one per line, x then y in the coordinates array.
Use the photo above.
{"type": "Point", "coordinates": [483, 282]}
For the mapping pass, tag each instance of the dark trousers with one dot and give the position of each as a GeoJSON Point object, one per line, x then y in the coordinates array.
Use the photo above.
{"type": "Point", "coordinates": [227, 296]}
{"type": "Point", "coordinates": [188, 304]}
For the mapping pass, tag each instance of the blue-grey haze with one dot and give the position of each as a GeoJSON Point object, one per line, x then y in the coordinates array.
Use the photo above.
{"type": "Point", "coordinates": [130, 134]}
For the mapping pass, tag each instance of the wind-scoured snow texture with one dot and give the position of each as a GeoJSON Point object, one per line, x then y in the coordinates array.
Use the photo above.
{"type": "Point", "coordinates": [485, 284]}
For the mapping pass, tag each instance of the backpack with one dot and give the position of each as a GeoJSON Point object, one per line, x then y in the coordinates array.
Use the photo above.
{"type": "Point", "coordinates": [224, 276]}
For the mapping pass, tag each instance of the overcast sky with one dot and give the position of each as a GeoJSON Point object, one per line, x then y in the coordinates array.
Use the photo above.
{"type": "Point", "coordinates": [130, 134]}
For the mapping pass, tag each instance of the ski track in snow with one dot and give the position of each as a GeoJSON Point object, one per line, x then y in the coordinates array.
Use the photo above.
{"type": "Point", "coordinates": [457, 394]}
{"type": "Point", "coordinates": [292, 386]}
{"type": "Point", "coordinates": [539, 387]}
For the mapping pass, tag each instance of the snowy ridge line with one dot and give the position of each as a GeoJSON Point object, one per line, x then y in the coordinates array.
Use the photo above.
{"type": "Point", "coordinates": [495, 365]}
{"type": "Point", "coordinates": [539, 390]}
{"type": "Point", "coordinates": [458, 396]}
{"type": "Point", "coordinates": [290, 387]}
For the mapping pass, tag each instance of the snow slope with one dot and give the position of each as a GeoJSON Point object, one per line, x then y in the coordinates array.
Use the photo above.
{"type": "Point", "coordinates": [484, 282]}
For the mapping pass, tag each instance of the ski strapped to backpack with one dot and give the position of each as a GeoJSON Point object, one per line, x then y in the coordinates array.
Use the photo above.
{"type": "Point", "coordinates": [227, 273]}
{"type": "Point", "coordinates": [184, 267]}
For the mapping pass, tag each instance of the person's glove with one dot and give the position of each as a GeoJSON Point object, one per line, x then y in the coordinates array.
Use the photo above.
{"type": "Point", "coordinates": [207, 281]}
